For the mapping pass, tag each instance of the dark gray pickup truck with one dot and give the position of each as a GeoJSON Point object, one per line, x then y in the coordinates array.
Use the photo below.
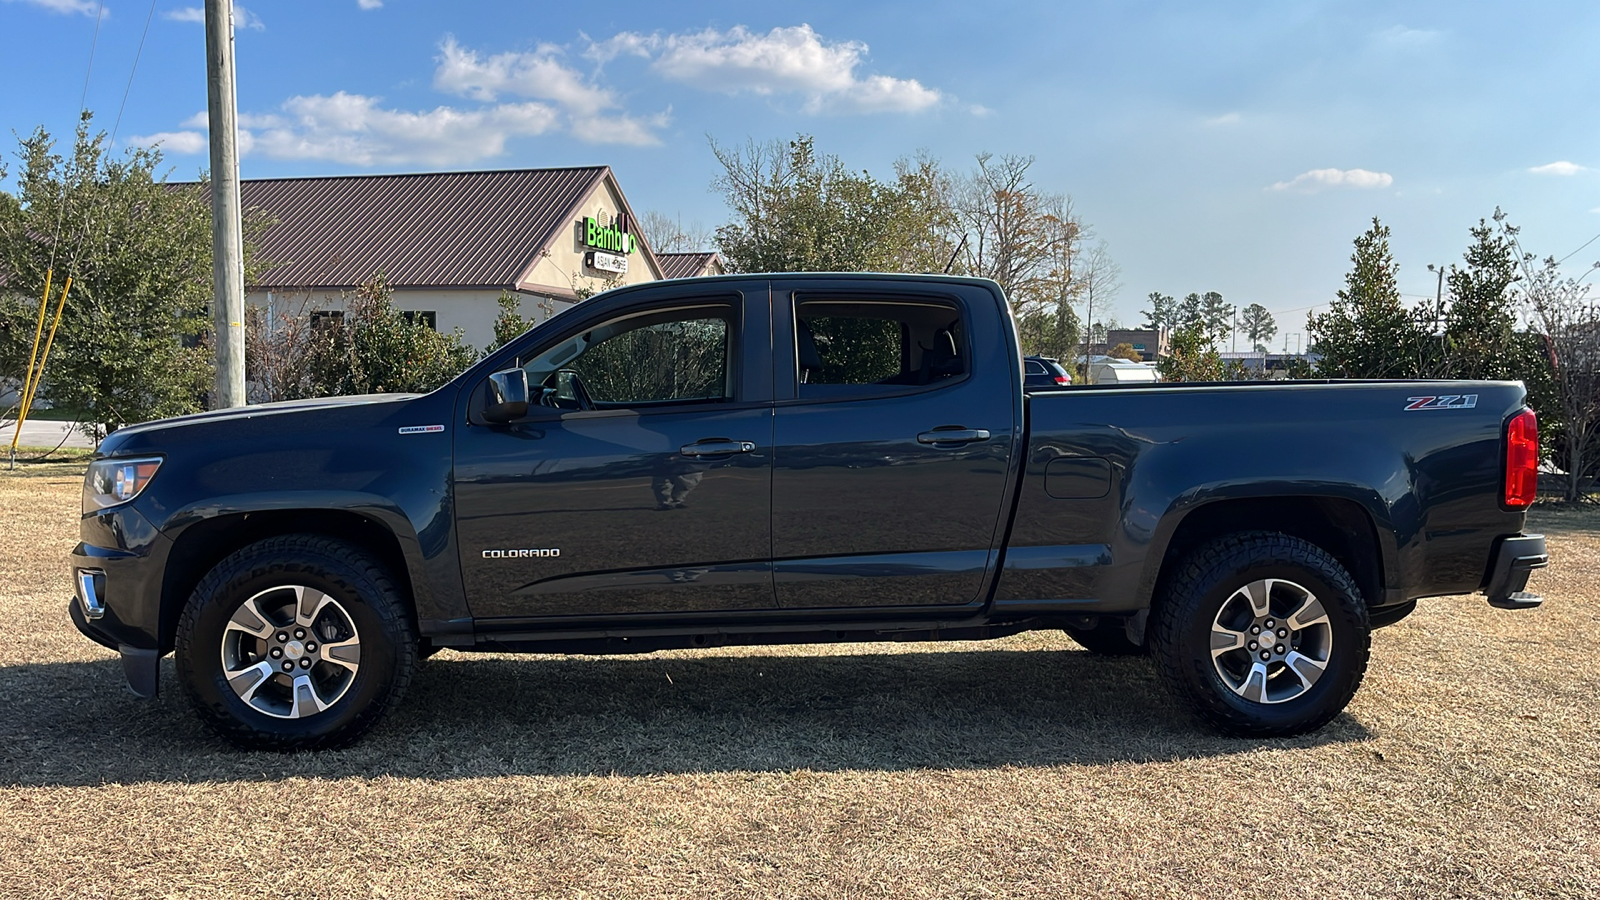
{"type": "Point", "coordinates": [795, 458]}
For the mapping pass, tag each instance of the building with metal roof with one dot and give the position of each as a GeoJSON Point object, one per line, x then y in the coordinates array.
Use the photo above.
{"type": "Point", "coordinates": [691, 265]}
{"type": "Point", "coordinates": [448, 243]}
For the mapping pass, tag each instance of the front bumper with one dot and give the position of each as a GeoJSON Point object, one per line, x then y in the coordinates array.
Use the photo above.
{"type": "Point", "coordinates": [116, 576]}
{"type": "Point", "coordinates": [1515, 558]}
{"type": "Point", "coordinates": [140, 667]}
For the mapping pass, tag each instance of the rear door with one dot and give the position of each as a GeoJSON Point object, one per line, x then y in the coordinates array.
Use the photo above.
{"type": "Point", "coordinates": [640, 481]}
{"type": "Point", "coordinates": [896, 420]}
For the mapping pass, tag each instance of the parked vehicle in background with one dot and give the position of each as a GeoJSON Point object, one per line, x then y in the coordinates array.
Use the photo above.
{"type": "Point", "coordinates": [1044, 373]}
{"type": "Point", "coordinates": [770, 459]}
{"type": "Point", "coordinates": [1120, 372]}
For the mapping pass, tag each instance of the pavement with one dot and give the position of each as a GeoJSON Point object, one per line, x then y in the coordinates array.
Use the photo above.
{"type": "Point", "coordinates": [37, 433]}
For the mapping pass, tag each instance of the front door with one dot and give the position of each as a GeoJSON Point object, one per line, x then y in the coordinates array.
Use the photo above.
{"type": "Point", "coordinates": [640, 481]}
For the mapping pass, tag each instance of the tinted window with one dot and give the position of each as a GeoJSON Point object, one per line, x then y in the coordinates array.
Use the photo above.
{"type": "Point", "coordinates": [846, 348]}
{"type": "Point", "coordinates": [1034, 368]}
{"type": "Point", "coordinates": [855, 350]}
{"type": "Point", "coordinates": [660, 358]}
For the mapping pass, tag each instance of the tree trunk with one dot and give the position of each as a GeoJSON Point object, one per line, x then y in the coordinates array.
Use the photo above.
{"type": "Point", "coordinates": [1574, 465]}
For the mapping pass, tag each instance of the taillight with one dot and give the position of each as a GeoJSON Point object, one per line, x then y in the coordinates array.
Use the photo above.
{"type": "Point", "coordinates": [1062, 379]}
{"type": "Point", "coordinates": [1522, 459]}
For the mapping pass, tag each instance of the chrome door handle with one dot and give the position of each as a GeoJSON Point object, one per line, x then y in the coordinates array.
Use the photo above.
{"type": "Point", "coordinates": [717, 448]}
{"type": "Point", "coordinates": [953, 436]}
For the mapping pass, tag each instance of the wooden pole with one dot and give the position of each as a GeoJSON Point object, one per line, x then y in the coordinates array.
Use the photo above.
{"type": "Point", "coordinates": [227, 230]}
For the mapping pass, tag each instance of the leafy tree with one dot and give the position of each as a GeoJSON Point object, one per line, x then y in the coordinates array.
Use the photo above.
{"type": "Point", "coordinates": [509, 322]}
{"type": "Point", "coordinates": [129, 347]}
{"type": "Point", "coordinates": [1367, 332]}
{"type": "Point", "coordinates": [795, 210]}
{"type": "Point", "coordinates": [1050, 332]}
{"type": "Point", "coordinates": [1164, 312]}
{"type": "Point", "coordinates": [1208, 312]}
{"type": "Point", "coordinates": [1259, 327]}
{"type": "Point", "coordinates": [368, 348]}
{"type": "Point", "coordinates": [1216, 315]}
{"type": "Point", "coordinates": [1481, 318]}
{"type": "Point", "coordinates": [1127, 351]}
{"type": "Point", "coordinates": [1192, 356]}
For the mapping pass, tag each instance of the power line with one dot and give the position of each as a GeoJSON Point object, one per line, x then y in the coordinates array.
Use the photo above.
{"type": "Point", "coordinates": [1579, 250]}
{"type": "Point", "coordinates": [83, 100]}
{"type": "Point", "coordinates": [83, 104]}
{"type": "Point", "coordinates": [129, 87]}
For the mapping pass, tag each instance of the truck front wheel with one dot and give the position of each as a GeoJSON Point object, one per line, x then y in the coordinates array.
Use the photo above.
{"type": "Point", "coordinates": [1262, 634]}
{"type": "Point", "coordinates": [295, 642]}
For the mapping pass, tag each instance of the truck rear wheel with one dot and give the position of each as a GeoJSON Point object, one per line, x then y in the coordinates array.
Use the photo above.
{"type": "Point", "coordinates": [295, 642]}
{"type": "Point", "coordinates": [1262, 634]}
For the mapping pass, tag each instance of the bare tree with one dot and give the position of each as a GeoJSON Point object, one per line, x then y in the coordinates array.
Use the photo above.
{"type": "Point", "coordinates": [1099, 278]}
{"type": "Point", "coordinates": [669, 234]}
{"type": "Point", "coordinates": [1026, 239]}
{"type": "Point", "coordinates": [1561, 308]}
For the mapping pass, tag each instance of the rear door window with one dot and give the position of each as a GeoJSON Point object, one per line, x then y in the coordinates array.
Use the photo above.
{"type": "Point", "coordinates": [846, 349]}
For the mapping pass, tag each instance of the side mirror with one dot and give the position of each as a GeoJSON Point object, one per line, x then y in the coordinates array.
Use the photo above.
{"type": "Point", "coordinates": [508, 396]}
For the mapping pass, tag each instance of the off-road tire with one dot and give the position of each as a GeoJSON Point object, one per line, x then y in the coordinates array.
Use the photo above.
{"type": "Point", "coordinates": [1107, 637]}
{"type": "Point", "coordinates": [1181, 632]}
{"type": "Point", "coordinates": [364, 591]}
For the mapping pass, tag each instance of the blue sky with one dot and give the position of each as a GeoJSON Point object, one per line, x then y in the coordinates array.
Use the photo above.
{"type": "Point", "coordinates": [1236, 147]}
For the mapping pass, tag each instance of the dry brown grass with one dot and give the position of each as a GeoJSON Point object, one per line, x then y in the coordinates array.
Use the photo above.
{"type": "Point", "coordinates": [1465, 767]}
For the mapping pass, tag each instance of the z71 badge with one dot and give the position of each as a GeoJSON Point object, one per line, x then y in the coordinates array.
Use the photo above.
{"type": "Point", "coordinates": [1443, 401]}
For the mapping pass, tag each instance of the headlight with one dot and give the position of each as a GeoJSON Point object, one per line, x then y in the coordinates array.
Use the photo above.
{"type": "Point", "coordinates": [113, 481]}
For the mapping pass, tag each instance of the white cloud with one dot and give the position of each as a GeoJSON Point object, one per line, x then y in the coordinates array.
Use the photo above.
{"type": "Point", "coordinates": [185, 142]}
{"type": "Point", "coordinates": [792, 60]}
{"type": "Point", "coordinates": [370, 4]}
{"type": "Point", "coordinates": [1400, 37]}
{"type": "Point", "coordinates": [522, 94]}
{"type": "Point", "coordinates": [1224, 119]}
{"type": "Point", "coordinates": [355, 130]}
{"type": "Point", "coordinates": [628, 43]}
{"type": "Point", "coordinates": [242, 18]}
{"type": "Point", "coordinates": [358, 130]}
{"type": "Point", "coordinates": [1320, 179]}
{"type": "Point", "coordinates": [538, 74]}
{"type": "Point", "coordinates": [65, 7]}
{"type": "Point", "coordinates": [620, 129]}
{"type": "Point", "coordinates": [1559, 167]}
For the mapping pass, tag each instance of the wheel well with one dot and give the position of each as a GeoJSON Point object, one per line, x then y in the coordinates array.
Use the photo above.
{"type": "Point", "coordinates": [201, 546]}
{"type": "Point", "coordinates": [1341, 527]}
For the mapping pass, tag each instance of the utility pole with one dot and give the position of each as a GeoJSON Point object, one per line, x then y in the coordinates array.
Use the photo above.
{"type": "Point", "coordinates": [1438, 305]}
{"type": "Point", "coordinates": [227, 230]}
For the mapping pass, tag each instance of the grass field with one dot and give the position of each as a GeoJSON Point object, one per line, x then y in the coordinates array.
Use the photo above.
{"type": "Point", "coordinates": [1467, 766]}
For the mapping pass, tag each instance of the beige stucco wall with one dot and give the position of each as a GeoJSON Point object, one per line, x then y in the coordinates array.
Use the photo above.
{"type": "Point", "coordinates": [562, 272]}
{"type": "Point", "coordinates": [472, 311]}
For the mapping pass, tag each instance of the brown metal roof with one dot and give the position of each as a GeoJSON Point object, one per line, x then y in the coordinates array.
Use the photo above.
{"type": "Point", "coordinates": [438, 230]}
{"type": "Point", "coordinates": [685, 265]}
